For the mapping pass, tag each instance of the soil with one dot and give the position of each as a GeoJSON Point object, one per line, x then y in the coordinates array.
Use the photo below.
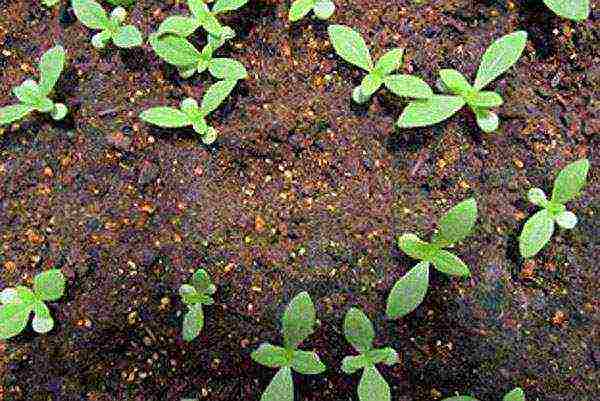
{"type": "Point", "coordinates": [303, 190]}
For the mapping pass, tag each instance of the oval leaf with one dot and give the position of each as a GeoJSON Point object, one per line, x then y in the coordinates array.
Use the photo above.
{"type": "Point", "coordinates": [51, 65]}
{"type": "Point", "coordinates": [351, 364]}
{"type": "Point", "coordinates": [404, 85]}
{"type": "Point", "coordinates": [10, 114]}
{"type": "Point", "coordinates": [299, 9]}
{"type": "Point", "coordinates": [324, 9]}
{"type": "Point", "coordinates": [499, 57]}
{"type": "Point", "coordinates": [408, 292]}
{"type": "Point", "coordinates": [457, 223]}
{"type": "Point", "coordinates": [175, 50]}
{"type": "Point", "coordinates": [566, 220]}
{"type": "Point", "coordinates": [449, 263]}
{"type": "Point", "coordinates": [281, 387]}
{"type": "Point", "coordinates": [414, 247]}
{"type": "Point", "coordinates": [13, 319]}
{"type": "Point", "coordinates": [49, 285]}
{"type": "Point", "coordinates": [570, 181]}
{"type": "Point", "coordinates": [42, 321]}
{"type": "Point", "coordinates": [166, 117]}
{"type": "Point", "coordinates": [298, 320]}
{"type": "Point", "coordinates": [350, 46]}
{"type": "Point", "coordinates": [128, 36]}
{"type": "Point", "coordinates": [270, 356]}
{"type": "Point", "coordinates": [486, 120]}
{"type": "Point", "coordinates": [372, 386]}
{"type": "Point", "coordinates": [515, 395]}
{"type": "Point", "coordinates": [307, 363]}
{"type": "Point", "coordinates": [536, 233]}
{"type": "Point", "coordinates": [193, 321]}
{"type": "Point", "coordinates": [576, 10]}
{"type": "Point", "coordinates": [389, 62]}
{"type": "Point", "coordinates": [91, 14]}
{"type": "Point", "coordinates": [178, 25]}
{"type": "Point", "coordinates": [222, 6]}
{"type": "Point", "coordinates": [215, 95]}
{"type": "Point", "coordinates": [358, 330]}
{"type": "Point", "coordinates": [420, 113]}
{"type": "Point", "coordinates": [227, 68]}
{"type": "Point", "coordinates": [455, 81]}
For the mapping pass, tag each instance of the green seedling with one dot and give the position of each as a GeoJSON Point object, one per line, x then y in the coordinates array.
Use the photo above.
{"type": "Point", "coordinates": [298, 324]}
{"type": "Point", "coordinates": [576, 10]}
{"type": "Point", "coordinates": [499, 57]}
{"type": "Point", "coordinates": [515, 395]}
{"type": "Point", "coordinates": [194, 295]}
{"type": "Point", "coordinates": [350, 46]}
{"type": "Point", "coordinates": [409, 291]}
{"type": "Point", "coordinates": [178, 51]}
{"type": "Point", "coordinates": [323, 9]}
{"type": "Point", "coordinates": [359, 332]}
{"type": "Point", "coordinates": [190, 114]}
{"type": "Point", "coordinates": [50, 3]}
{"type": "Point", "coordinates": [538, 229]}
{"type": "Point", "coordinates": [17, 304]}
{"type": "Point", "coordinates": [91, 14]}
{"type": "Point", "coordinates": [33, 96]}
{"type": "Point", "coordinates": [125, 3]}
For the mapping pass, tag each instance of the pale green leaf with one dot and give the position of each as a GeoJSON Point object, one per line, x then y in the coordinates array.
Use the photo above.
{"type": "Point", "coordinates": [128, 36]}
{"type": "Point", "coordinates": [358, 330]}
{"type": "Point", "coordinates": [29, 93]}
{"type": "Point", "coordinates": [298, 320]}
{"type": "Point", "coordinates": [515, 395]}
{"type": "Point", "coordinates": [166, 117]}
{"type": "Point", "coordinates": [372, 386]}
{"type": "Point", "coordinates": [351, 364]}
{"type": "Point", "coordinates": [576, 10]}
{"type": "Point", "coordinates": [281, 387]}
{"type": "Point", "coordinates": [389, 62]}
{"type": "Point", "coordinates": [299, 9]}
{"type": "Point", "coordinates": [189, 295]}
{"type": "Point", "coordinates": [370, 84]}
{"type": "Point", "coordinates": [193, 321]}
{"type": "Point", "coordinates": [449, 263]}
{"type": "Point", "coordinates": [202, 282]}
{"type": "Point", "coordinates": [537, 196]}
{"type": "Point", "coordinates": [499, 57]}
{"type": "Point", "coordinates": [566, 220]}
{"type": "Point", "coordinates": [457, 223]}
{"type": "Point", "coordinates": [227, 68]}
{"type": "Point", "coordinates": [206, 19]}
{"type": "Point", "coordinates": [175, 50]}
{"type": "Point", "coordinates": [270, 356]}
{"type": "Point", "coordinates": [59, 112]}
{"type": "Point", "coordinates": [178, 25]}
{"type": "Point", "coordinates": [42, 321]}
{"type": "Point", "coordinates": [487, 120]}
{"type": "Point", "coordinates": [222, 6]}
{"type": "Point", "coordinates": [408, 292]}
{"type": "Point", "coordinates": [536, 233]}
{"type": "Point", "coordinates": [485, 99]}
{"type": "Point", "coordinates": [10, 114]}
{"type": "Point", "coordinates": [421, 113]}
{"type": "Point", "coordinates": [324, 9]}
{"type": "Point", "coordinates": [570, 181]}
{"type": "Point", "coordinates": [49, 285]}
{"type": "Point", "coordinates": [91, 14]}
{"type": "Point", "coordinates": [414, 247]}
{"type": "Point", "coordinates": [307, 363]}
{"type": "Point", "coordinates": [13, 318]}
{"type": "Point", "coordinates": [350, 46]}
{"type": "Point", "coordinates": [386, 355]}
{"type": "Point", "coordinates": [51, 65]}
{"type": "Point", "coordinates": [404, 85]}
{"type": "Point", "coordinates": [9, 295]}
{"type": "Point", "coordinates": [455, 82]}
{"type": "Point", "coordinates": [215, 95]}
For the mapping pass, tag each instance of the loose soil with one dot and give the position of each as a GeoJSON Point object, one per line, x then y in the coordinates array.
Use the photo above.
{"type": "Point", "coordinates": [303, 190]}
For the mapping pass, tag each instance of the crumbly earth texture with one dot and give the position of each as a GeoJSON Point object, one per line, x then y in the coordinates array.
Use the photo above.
{"type": "Point", "coordinates": [303, 190]}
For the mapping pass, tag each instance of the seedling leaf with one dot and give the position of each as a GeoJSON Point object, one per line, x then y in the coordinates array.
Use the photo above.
{"type": "Point", "coordinates": [358, 330]}
{"type": "Point", "coordinates": [499, 57]}
{"type": "Point", "coordinates": [175, 50]}
{"type": "Point", "coordinates": [208, 21]}
{"type": "Point", "coordinates": [486, 120]}
{"type": "Point", "coordinates": [386, 355]}
{"type": "Point", "coordinates": [389, 62]}
{"type": "Point", "coordinates": [307, 363]}
{"type": "Point", "coordinates": [10, 114]}
{"type": "Point", "coordinates": [51, 65]}
{"type": "Point", "coordinates": [570, 181]}
{"type": "Point", "coordinates": [566, 220]}
{"type": "Point", "coordinates": [408, 292]}
{"type": "Point", "coordinates": [455, 81]}
{"type": "Point", "coordinates": [222, 6]}
{"type": "Point", "coordinates": [29, 93]}
{"type": "Point", "coordinates": [215, 95]}
{"type": "Point", "coordinates": [91, 14]}
{"type": "Point", "coordinates": [271, 356]}
{"type": "Point", "coordinates": [538, 197]}
{"type": "Point", "coordinates": [349, 45]}
{"type": "Point", "coordinates": [351, 364]}
{"type": "Point", "coordinates": [42, 321]}
{"type": "Point", "coordinates": [576, 10]}
{"type": "Point", "coordinates": [299, 9]}
{"type": "Point", "coordinates": [449, 263]}
{"type": "Point", "coordinates": [49, 285]}
{"type": "Point", "coordinates": [193, 321]}
{"type": "Point", "coordinates": [536, 233]}
{"type": "Point", "coordinates": [227, 69]}
{"type": "Point", "coordinates": [460, 398]}
{"type": "Point", "coordinates": [128, 36]}
{"type": "Point", "coordinates": [420, 113]}
{"type": "Point", "coordinates": [281, 387]}
{"type": "Point", "coordinates": [324, 9]}
{"type": "Point", "coordinates": [178, 25]}
{"type": "Point", "coordinates": [486, 99]}
{"type": "Point", "coordinates": [414, 247]}
{"type": "Point", "coordinates": [457, 223]}
{"type": "Point", "coordinates": [298, 320]}
{"type": "Point", "coordinates": [515, 395]}
{"type": "Point", "coordinates": [372, 386]}
{"type": "Point", "coordinates": [167, 117]}
{"type": "Point", "coordinates": [13, 318]}
{"type": "Point", "coordinates": [405, 85]}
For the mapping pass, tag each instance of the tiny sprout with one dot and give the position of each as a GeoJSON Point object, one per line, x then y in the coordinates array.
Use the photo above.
{"type": "Point", "coordinates": [50, 3]}
{"type": "Point", "coordinates": [538, 229]}
{"type": "Point", "coordinates": [409, 291]}
{"type": "Point", "coordinates": [189, 113]}
{"type": "Point", "coordinates": [298, 324]}
{"type": "Point", "coordinates": [323, 9]}
{"type": "Point", "coordinates": [16, 304]}
{"type": "Point", "coordinates": [516, 394]}
{"type": "Point", "coordinates": [34, 96]}
{"type": "Point", "coordinates": [92, 15]}
{"type": "Point", "coordinates": [359, 332]}
{"type": "Point", "coordinates": [194, 295]}
{"type": "Point", "coordinates": [576, 10]}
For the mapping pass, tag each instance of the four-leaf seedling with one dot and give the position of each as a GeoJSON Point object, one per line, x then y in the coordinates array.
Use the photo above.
{"type": "Point", "coordinates": [16, 304]}
{"type": "Point", "coordinates": [409, 291]}
{"type": "Point", "coordinates": [298, 324]}
{"type": "Point", "coordinates": [516, 394]}
{"type": "Point", "coordinates": [323, 9]}
{"type": "Point", "coordinates": [539, 228]}
{"type": "Point", "coordinates": [194, 295]}
{"type": "Point", "coordinates": [576, 10]}
{"type": "Point", "coordinates": [350, 46]}
{"type": "Point", "coordinates": [499, 57]}
{"type": "Point", "coordinates": [92, 15]}
{"type": "Point", "coordinates": [359, 332]}
{"type": "Point", "coordinates": [34, 96]}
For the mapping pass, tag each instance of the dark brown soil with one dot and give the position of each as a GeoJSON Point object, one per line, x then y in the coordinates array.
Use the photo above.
{"type": "Point", "coordinates": [303, 191]}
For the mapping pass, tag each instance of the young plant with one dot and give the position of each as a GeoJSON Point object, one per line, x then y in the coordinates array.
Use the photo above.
{"type": "Point", "coordinates": [498, 58]}
{"type": "Point", "coordinates": [409, 291]}
{"type": "Point", "coordinates": [50, 3]}
{"type": "Point", "coordinates": [190, 114]}
{"type": "Point", "coordinates": [194, 295]}
{"type": "Point", "coordinates": [16, 304]}
{"type": "Point", "coordinates": [323, 9]}
{"type": "Point", "coordinates": [34, 96]}
{"type": "Point", "coordinates": [538, 229]}
{"type": "Point", "coordinates": [576, 10]}
{"type": "Point", "coordinates": [298, 324]}
{"type": "Point", "coordinates": [515, 395]}
{"type": "Point", "coordinates": [350, 46]}
{"type": "Point", "coordinates": [359, 332]}
{"type": "Point", "coordinates": [91, 14]}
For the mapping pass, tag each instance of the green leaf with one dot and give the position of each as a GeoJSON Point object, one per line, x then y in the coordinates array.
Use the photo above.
{"type": "Point", "coordinates": [372, 386]}
{"type": "Point", "coordinates": [271, 356]}
{"type": "Point", "coordinates": [167, 117]}
{"type": "Point", "coordinates": [59, 112]}
{"type": "Point", "coordinates": [193, 321]}
{"type": "Point", "coordinates": [389, 62]}
{"type": "Point", "coordinates": [227, 68]}
{"type": "Point", "coordinates": [208, 21]}
{"type": "Point", "coordinates": [486, 99]}
{"type": "Point", "coordinates": [42, 321]}
{"type": "Point", "coordinates": [49, 285]}
{"type": "Point", "coordinates": [387, 355]}
{"type": "Point", "coordinates": [175, 50]}
{"type": "Point", "coordinates": [538, 197]}
{"type": "Point", "coordinates": [281, 387]}
{"type": "Point", "coordinates": [324, 9]}
{"type": "Point", "coordinates": [420, 113]}
{"type": "Point", "coordinates": [101, 39]}
{"type": "Point", "coordinates": [408, 292]}
{"type": "Point", "coordinates": [570, 181]}
{"type": "Point", "coordinates": [91, 14]}
{"type": "Point", "coordinates": [566, 220]}
{"type": "Point", "coordinates": [370, 84]}
{"type": "Point", "coordinates": [350, 46]}
{"type": "Point", "coordinates": [189, 295]}
{"type": "Point", "coordinates": [351, 364]}
{"type": "Point", "coordinates": [9, 295]}
{"type": "Point", "coordinates": [486, 120]}
{"type": "Point", "coordinates": [536, 233]}
{"type": "Point", "coordinates": [460, 398]}
{"type": "Point", "coordinates": [515, 395]}
{"type": "Point", "coordinates": [13, 318]}
{"type": "Point", "coordinates": [202, 282]}
{"type": "Point", "coordinates": [499, 57]}
{"type": "Point", "coordinates": [404, 85]}
{"type": "Point", "coordinates": [299, 9]}
{"type": "Point", "coordinates": [222, 6]}
{"type": "Point", "coordinates": [307, 363]}
{"type": "Point", "coordinates": [455, 82]}
{"type": "Point", "coordinates": [449, 263]}
{"type": "Point", "coordinates": [178, 25]}
{"type": "Point", "coordinates": [358, 330]}
{"type": "Point", "coordinates": [298, 320]}
{"type": "Point", "coordinates": [128, 36]}
{"type": "Point", "coordinates": [414, 247]}
{"type": "Point", "coordinates": [457, 223]}
{"type": "Point", "coordinates": [576, 10]}
{"type": "Point", "coordinates": [29, 93]}
{"type": "Point", "coordinates": [51, 65]}
{"type": "Point", "coordinates": [215, 95]}
{"type": "Point", "coordinates": [10, 114]}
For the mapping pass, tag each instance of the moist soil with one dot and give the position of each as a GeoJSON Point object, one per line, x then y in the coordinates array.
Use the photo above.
{"type": "Point", "coordinates": [303, 191]}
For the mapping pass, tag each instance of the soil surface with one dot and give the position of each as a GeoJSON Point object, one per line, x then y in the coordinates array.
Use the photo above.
{"type": "Point", "coordinates": [303, 190]}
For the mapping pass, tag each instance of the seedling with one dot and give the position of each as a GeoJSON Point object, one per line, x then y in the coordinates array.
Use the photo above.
{"type": "Point", "coordinates": [121, 2]}
{"type": "Point", "coordinates": [576, 10]}
{"type": "Point", "coordinates": [498, 58]}
{"type": "Point", "coordinates": [409, 291]}
{"type": "Point", "coordinates": [91, 14]}
{"type": "Point", "coordinates": [538, 229]}
{"type": "Point", "coordinates": [18, 303]}
{"type": "Point", "coordinates": [50, 3]}
{"type": "Point", "coordinates": [34, 96]}
{"type": "Point", "coordinates": [350, 46]}
{"type": "Point", "coordinates": [194, 295]}
{"type": "Point", "coordinates": [298, 324]}
{"type": "Point", "coordinates": [359, 332]}
{"type": "Point", "coordinates": [515, 395]}
{"type": "Point", "coordinates": [323, 9]}
{"type": "Point", "coordinates": [190, 114]}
